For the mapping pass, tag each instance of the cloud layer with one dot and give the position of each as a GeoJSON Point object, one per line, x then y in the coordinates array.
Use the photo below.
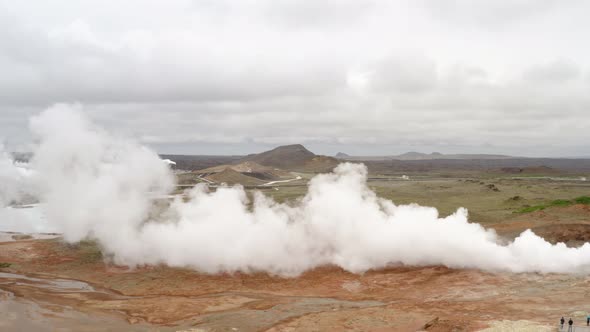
{"type": "Point", "coordinates": [239, 76]}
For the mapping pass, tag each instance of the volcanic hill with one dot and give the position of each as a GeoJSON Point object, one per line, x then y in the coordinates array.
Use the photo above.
{"type": "Point", "coordinates": [293, 157]}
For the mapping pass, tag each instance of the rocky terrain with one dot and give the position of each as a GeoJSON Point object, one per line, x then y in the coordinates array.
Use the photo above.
{"type": "Point", "coordinates": [62, 285]}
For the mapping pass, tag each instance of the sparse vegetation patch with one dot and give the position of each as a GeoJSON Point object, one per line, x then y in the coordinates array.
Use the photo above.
{"type": "Point", "coordinates": [558, 202]}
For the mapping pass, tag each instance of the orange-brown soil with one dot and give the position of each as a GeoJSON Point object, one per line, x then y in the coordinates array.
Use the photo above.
{"type": "Point", "coordinates": [397, 299]}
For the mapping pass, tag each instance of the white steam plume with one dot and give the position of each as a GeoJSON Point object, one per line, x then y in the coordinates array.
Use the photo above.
{"type": "Point", "coordinates": [94, 184]}
{"type": "Point", "coordinates": [11, 179]}
{"type": "Point", "coordinates": [99, 186]}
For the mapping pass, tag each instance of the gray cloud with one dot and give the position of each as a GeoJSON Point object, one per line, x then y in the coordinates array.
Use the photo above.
{"type": "Point", "coordinates": [557, 72]}
{"type": "Point", "coordinates": [240, 76]}
{"type": "Point", "coordinates": [492, 13]}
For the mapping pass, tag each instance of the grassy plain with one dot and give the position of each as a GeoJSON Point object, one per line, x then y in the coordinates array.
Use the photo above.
{"type": "Point", "coordinates": [490, 198]}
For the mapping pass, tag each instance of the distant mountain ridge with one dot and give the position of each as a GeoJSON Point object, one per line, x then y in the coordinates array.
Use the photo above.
{"type": "Point", "coordinates": [342, 155]}
{"type": "Point", "coordinates": [412, 155]}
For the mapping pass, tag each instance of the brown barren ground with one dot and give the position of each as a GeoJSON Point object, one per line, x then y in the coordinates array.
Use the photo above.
{"type": "Point", "coordinates": [72, 286]}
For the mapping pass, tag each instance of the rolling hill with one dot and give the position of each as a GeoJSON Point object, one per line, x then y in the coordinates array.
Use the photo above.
{"type": "Point", "coordinates": [293, 157]}
{"type": "Point", "coordinates": [249, 168]}
{"type": "Point", "coordinates": [231, 177]}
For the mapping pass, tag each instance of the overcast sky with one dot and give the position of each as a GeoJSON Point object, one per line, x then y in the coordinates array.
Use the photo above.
{"type": "Point", "coordinates": [362, 77]}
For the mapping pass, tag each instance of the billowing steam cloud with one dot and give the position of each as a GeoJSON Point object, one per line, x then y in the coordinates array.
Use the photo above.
{"type": "Point", "coordinates": [9, 177]}
{"type": "Point", "coordinates": [99, 186]}
{"type": "Point", "coordinates": [94, 184]}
